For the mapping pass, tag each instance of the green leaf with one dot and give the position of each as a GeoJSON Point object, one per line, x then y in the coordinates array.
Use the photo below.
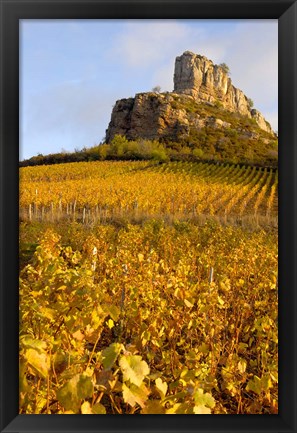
{"type": "Point", "coordinates": [187, 375]}
{"type": "Point", "coordinates": [134, 368]}
{"type": "Point", "coordinates": [40, 362]}
{"type": "Point", "coordinates": [174, 397]}
{"type": "Point", "coordinates": [161, 386]}
{"type": "Point", "coordinates": [203, 399]}
{"type": "Point", "coordinates": [113, 311]}
{"type": "Point", "coordinates": [110, 355]}
{"type": "Point", "coordinates": [204, 348]}
{"type": "Point", "coordinates": [99, 409]}
{"type": "Point", "coordinates": [135, 394]}
{"type": "Point", "coordinates": [258, 385]}
{"type": "Point", "coordinates": [31, 343]}
{"type": "Point", "coordinates": [76, 389]}
{"type": "Point", "coordinates": [266, 382]}
{"type": "Point", "coordinates": [254, 385]}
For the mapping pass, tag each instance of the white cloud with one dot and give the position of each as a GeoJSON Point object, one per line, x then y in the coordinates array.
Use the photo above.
{"type": "Point", "coordinates": [248, 47]}
{"type": "Point", "coordinates": [143, 43]}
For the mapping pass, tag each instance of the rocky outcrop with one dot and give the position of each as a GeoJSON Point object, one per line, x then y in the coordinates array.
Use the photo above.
{"type": "Point", "coordinates": [199, 77]}
{"type": "Point", "coordinates": [197, 81]}
{"type": "Point", "coordinates": [148, 115]}
{"type": "Point", "coordinates": [260, 120]}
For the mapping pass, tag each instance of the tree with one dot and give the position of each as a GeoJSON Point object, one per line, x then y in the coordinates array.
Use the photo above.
{"type": "Point", "coordinates": [250, 102]}
{"type": "Point", "coordinates": [225, 68]}
{"type": "Point", "coordinates": [156, 89]}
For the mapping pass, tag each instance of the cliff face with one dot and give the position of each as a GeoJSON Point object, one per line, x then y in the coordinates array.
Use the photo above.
{"type": "Point", "coordinates": [198, 84]}
{"type": "Point", "coordinates": [197, 76]}
{"type": "Point", "coordinates": [154, 116]}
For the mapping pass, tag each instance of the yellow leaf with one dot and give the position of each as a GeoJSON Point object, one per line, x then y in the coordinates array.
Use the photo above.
{"type": "Point", "coordinates": [140, 257]}
{"type": "Point", "coordinates": [173, 409]}
{"type": "Point", "coordinates": [48, 313]}
{"type": "Point", "coordinates": [110, 354]}
{"type": "Point", "coordinates": [153, 407]}
{"type": "Point", "coordinates": [161, 386]}
{"type": "Point", "coordinates": [201, 409]}
{"type": "Point", "coordinates": [97, 409]}
{"type": "Point", "coordinates": [135, 394]}
{"type": "Point", "coordinates": [110, 323]}
{"type": "Point", "coordinates": [221, 301]}
{"type": "Point", "coordinates": [179, 408]}
{"type": "Point", "coordinates": [134, 368]}
{"type": "Point", "coordinates": [40, 362]}
{"type": "Point", "coordinates": [86, 408]}
{"type": "Point", "coordinates": [36, 294]}
{"type": "Point", "coordinates": [241, 366]}
{"type": "Point", "coordinates": [76, 389]}
{"type": "Point", "coordinates": [188, 303]}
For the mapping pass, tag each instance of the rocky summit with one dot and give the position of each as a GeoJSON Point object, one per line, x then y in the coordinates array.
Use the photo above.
{"type": "Point", "coordinates": [203, 97]}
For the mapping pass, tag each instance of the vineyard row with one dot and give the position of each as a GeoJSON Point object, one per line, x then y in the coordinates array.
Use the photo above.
{"type": "Point", "coordinates": [105, 190]}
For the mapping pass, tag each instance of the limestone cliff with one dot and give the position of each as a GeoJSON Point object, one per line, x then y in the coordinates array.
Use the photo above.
{"type": "Point", "coordinates": [197, 76]}
{"type": "Point", "coordinates": [203, 94]}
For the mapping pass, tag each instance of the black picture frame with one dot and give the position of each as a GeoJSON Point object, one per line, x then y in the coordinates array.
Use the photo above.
{"type": "Point", "coordinates": [14, 10]}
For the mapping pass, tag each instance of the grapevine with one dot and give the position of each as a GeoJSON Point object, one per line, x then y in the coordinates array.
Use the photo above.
{"type": "Point", "coordinates": [140, 295]}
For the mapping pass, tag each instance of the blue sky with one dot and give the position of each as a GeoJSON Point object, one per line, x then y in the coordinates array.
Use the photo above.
{"type": "Point", "coordinates": [73, 71]}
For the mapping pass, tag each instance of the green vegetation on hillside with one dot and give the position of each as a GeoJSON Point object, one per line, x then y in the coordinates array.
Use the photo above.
{"type": "Point", "coordinates": [240, 140]}
{"type": "Point", "coordinates": [208, 144]}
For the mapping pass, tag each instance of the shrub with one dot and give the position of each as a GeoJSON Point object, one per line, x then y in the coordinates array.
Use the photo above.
{"type": "Point", "coordinates": [103, 151]}
{"type": "Point", "coordinates": [250, 102]}
{"type": "Point", "coordinates": [225, 68]}
{"type": "Point", "coordinates": [198, 153]}
{"type": "Point", "coordinates": [118, 144]}
{"type": "Point", "coordinates": [156, 89]}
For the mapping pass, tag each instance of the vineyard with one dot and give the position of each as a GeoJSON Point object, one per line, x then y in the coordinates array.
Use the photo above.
{"type": "Point", "coordinates": [103, 191]}
{"type": "Point", "coordinates": [148, 289]}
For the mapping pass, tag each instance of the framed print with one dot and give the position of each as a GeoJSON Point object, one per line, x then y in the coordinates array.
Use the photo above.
{"type": "Point", "coordinates": [148, 208]}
